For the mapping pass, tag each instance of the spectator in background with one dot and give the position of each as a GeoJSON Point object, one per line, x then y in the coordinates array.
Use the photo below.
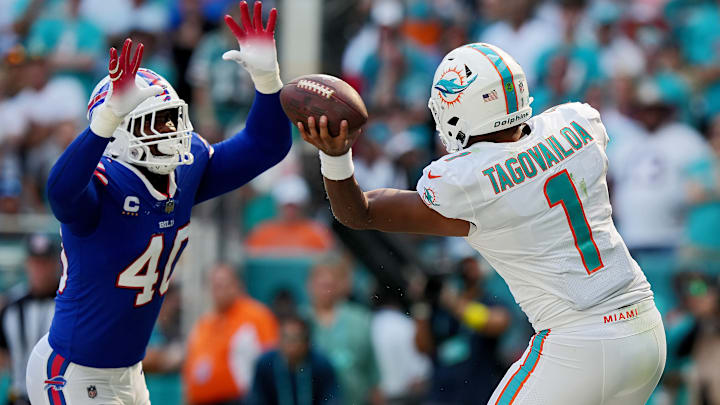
{"type": "Point", "coordinates": [567, 69]}
{"type": "Point", "coordinates": [165, 353]}
{"type": "Point", "coordinates": [27, 317]}
{"type": "Point", "coordinates": [702, 341]}
{"type": "Point", "coordinates": [520, 33]}
{"type": "Point", "coordinates": [39, 117]}
{"type": "Point", "coordinates": [384, 14]}
{"type": "Point", "coordinates": [118, 17]}
{"type": "Point", "coordinates": [404, 371]}
{"type": "Point", "coordinates": [10, 187]}
{"type": "Point", "coordinates": [292, 233]}
{"type": "Point", "coordinates": [224, 344]}
{"type": "Point", "coordinates": [460, 331]}
{"type": "Point", "coordinates": [703, 218]}
{"type": "Point", "coordinates": [221, 93]}
{"type": "Point", "coordinates": [698, 32]}
{"type": "Point", "coordinates": [294, 374]}
{"type": "Point", "coordinates": [155, 58]}
{"type": "Point", "coordinates": [284, 305]}
{"type": "Point", "coordinates": [73, 43]}
{"type": "Point", "coordinates": [618, 54]}
{"type": "Point", "coordinates": [342, 332]}
{"type": "Point", "coordinates": [374, 168]}
{"type": "Point", "coordinates": [648, 174]}
{"type": "Point", "coordinates": [397, 75]}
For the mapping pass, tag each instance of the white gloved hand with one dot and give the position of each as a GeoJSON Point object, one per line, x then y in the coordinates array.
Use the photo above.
{"type": "Point", "coordinates": [257, 53]}
{"type": "Point", "coordinates": [124, 94]}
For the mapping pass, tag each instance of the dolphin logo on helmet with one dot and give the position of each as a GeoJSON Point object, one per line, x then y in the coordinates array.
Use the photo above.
{"type": "Point", "coordinates": [449, 87]}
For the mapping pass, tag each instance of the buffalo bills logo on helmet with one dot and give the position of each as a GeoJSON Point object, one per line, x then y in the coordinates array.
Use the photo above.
{"type": "Point", "coordinates": [98, 98]}
{"type": "Point", "coordinates": [153, 78]}
{"type": "Point", "coordinates": [57, 382]}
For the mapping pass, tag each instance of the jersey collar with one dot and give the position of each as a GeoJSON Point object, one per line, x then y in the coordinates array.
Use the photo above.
{"type": "Point", "coordinates": [172, 185]}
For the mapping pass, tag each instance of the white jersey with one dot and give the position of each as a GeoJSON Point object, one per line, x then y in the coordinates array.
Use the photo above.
{"type": "Point", "coordinates": [541, 216]}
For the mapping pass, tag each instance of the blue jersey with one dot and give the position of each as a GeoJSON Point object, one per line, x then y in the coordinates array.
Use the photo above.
{"type": "Point", "coordinates": [122, 238]}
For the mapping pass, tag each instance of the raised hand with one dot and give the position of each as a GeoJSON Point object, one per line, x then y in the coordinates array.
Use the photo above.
{"type": "Point", "coordinates": [257, 53]}
{"type": "Point", "coordinates": [124, 94]}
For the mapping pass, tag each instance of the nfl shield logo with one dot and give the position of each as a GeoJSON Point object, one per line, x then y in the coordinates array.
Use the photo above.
{"type": "Point", "coordinates": [92, 392]}
{"type": "Point", "coordinates": [169, 206]}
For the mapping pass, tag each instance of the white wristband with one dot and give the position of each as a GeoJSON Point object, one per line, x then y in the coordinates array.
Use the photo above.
{"type": "Point", "coordinates": [268, 82]}
{"type": "Point", "coordinates": [336, 167]}
{"type": "Point", "coordinates": [104, 122]}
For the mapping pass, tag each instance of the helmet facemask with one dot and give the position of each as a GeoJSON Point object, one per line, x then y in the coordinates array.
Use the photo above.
{"type": "Point", "coordinates": [157, 139]}
{"type": "Point", "coordinates": [451, 132]}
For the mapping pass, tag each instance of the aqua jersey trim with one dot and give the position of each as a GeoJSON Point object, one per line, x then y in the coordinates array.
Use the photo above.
{"type": "Point", "coordinates": [506, 76]}
{"type": "Point", "coordinates": [513, 387]}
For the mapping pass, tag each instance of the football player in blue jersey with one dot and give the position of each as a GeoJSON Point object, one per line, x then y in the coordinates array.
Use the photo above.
{"type": "Point", "coordinates": [124, 191]}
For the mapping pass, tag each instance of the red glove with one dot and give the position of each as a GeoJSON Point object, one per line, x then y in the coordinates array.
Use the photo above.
{"type": "Point", "coordinates": [257, 53]}
{"type": "Point", "coordinates": [124, 95]}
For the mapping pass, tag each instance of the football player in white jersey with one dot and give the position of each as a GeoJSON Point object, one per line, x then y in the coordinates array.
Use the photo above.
{"type": "Point", "coordinates": [530, 194]}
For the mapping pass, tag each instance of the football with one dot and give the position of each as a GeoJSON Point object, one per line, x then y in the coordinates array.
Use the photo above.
{"type": "Point", "coordinates": [316, 95]}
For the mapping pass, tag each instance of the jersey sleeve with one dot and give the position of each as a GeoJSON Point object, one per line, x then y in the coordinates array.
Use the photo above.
{"type": "Point", "coordinates": [264, 142]}
{"type": "Point", "coordinates": [441, 190]}
{"type": "Point", "coordinates": [584, 115]}
{"type": "Point", "coordinates": [71, 192]}
{"type": "Point", "coordinates": [592, 116]}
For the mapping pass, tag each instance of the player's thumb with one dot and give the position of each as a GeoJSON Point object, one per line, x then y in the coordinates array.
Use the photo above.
{"type": "Point", "coordinates": [233, 55]}
{"type": "Point", "coordinates": [151, 91]}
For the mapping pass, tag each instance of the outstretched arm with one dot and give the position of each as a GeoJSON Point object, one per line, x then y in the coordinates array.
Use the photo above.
{"type": "Point", "coordinates": [71, 192]}
{"type": "Point", "coordinates": [263, 143]}
{"type": "Point", "coordinates": [266, 138]}
{"type": "Point", "coordinates": [386, 210]}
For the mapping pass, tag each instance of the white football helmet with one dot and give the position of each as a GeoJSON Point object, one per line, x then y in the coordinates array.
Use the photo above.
{"type": "Point", "coordinates": [478, 88]}
{"type": "Point", "coordinates": [132, 144]}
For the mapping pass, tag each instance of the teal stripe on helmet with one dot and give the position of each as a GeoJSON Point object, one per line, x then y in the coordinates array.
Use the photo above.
{"type": "Point", "coordinates": [506, 75]}
{"type": "Point", "coordinates": [513, 386]}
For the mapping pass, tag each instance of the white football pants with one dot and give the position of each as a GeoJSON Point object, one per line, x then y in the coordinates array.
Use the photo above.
{"type": "Point", "coordinates": [617, 359]}
{"type": "Point", "coordinates": [53, 380]}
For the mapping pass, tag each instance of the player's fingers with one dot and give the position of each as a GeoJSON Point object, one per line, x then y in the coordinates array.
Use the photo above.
{"type": "Point", "coordinates": [245, 16]}
{"type": "Point", "coordinates": [313, 128]}
{"type": "Point", "coordinates": [271, 21]}
{"type": "Point", "coordinates": [303, 134]}
{"type": "Point", "coordinates": [343, 130]}
{"type": "Point", "coordinates": [151, 91]}
{"type": "Point", "coordinates": [324, 133]}
{"type": "Point", "coordinates": [113, 67]}
{"type": "Point", "coordinates": [137, 59]}
{"type": "Point", "coordinates": [234, 27]}
{"type": "Point", "coordinates": [125, 56]}
{"type": "Point", "coordinates": [257, 16]}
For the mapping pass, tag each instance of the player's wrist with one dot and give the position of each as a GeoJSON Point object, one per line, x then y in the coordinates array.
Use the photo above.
{"type": "Point", "coordinates": [267, 82]}
{"type": "Point", "coordinates": [336, 167]}
{"type": "Point", "coordinates": [104, 122]}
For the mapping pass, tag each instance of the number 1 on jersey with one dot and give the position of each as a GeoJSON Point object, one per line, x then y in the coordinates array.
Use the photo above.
{"type": "Point", "coordinates": [560, 190]}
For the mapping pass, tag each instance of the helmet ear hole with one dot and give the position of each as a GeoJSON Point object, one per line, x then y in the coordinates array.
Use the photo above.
{"type": "Point", "coordinates": [453, 121]}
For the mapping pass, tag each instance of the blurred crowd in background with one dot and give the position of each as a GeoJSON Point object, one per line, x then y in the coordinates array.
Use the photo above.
{"type": "Point", "coordinates": [306, 311]}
